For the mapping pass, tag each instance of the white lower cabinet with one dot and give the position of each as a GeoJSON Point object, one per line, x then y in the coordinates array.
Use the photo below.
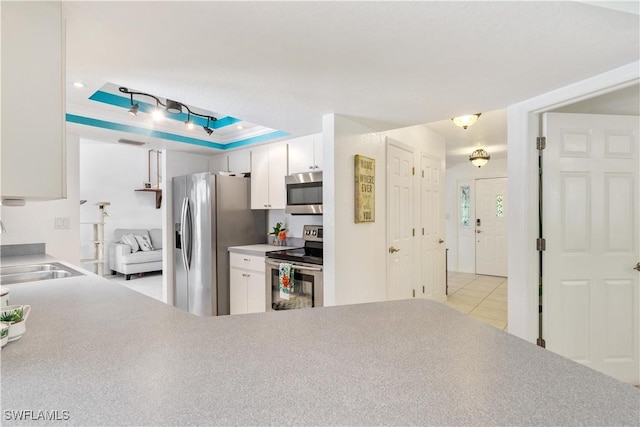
{"type": "Point", "coordinates": [247, 284]}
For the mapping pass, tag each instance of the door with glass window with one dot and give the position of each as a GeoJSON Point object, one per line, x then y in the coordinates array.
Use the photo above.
{"type": "Point", "coordinates": [491, 226]}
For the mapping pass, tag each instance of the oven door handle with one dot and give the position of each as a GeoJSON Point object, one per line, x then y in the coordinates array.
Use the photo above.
{"type": "Point", "coordinates": [294, 266]}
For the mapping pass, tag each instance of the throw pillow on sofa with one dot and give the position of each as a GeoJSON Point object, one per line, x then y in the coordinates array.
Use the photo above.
{"type": "Point", "coordinates": [129, 239]}
{"type": "Point", "coordinates": [144, 242]}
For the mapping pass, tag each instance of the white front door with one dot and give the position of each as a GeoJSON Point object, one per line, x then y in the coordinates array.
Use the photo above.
{"type": "Point", "coordinates": [400, 282]}
{"type": "Point", "coordinates": [432, 233]}
{"type": "Point", "coordinates": [591, 292]}
{"type": "Point", "coordinates": [491, 226]}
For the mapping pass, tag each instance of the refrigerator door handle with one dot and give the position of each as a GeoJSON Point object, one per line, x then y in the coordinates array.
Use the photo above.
{"type": "Point", "coordinates": [183, 217]}
{"type": "Point", "coordinates": [189, 221]}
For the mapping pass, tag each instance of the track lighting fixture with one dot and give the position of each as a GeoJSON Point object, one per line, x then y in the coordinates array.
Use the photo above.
{"type": "Point", "coordinates": [134, 107]}
{"type": "Point", "coordinates": [466, 121]}
{"type": "Point", "coordinates": [189, 123]}
{"type": "Point", "coordinates": [207, 129]}
{"type": "Point", "coordinates": [171, 106]}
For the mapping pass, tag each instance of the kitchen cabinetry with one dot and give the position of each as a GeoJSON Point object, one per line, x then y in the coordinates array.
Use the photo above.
{"type": "Point", "coordinates": [305, 153]}
{"type": "Point", "coordinates": [33, 160]}
{"type": "Point", "coordinates": [268, 169]}
{"type": "Point", "coordinates": [247, 291]}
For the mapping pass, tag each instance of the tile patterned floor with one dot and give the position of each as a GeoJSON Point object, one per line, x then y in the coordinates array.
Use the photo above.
{"type": "Point", "coordinates": [481, 297]}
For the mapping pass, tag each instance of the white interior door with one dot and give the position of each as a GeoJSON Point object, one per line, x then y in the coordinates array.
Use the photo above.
{"type": "Point", "coordinates": [432, 233]}
{"type": "Point", "coordinates": [591, 292]}
{"type": "Point", "coordinates": [491, 226]}
{"type": "Point", "coordinates": [400, 221]}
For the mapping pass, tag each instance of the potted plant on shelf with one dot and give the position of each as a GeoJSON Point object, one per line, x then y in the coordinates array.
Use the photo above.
{"type": "Point", "coordinates": [279, 234]}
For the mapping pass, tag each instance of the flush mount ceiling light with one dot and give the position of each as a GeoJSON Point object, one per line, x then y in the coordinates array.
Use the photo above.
{"type": "Point", "coordinates": [466, 121]}
{"type": "Point", "coordinates": [78, 85]}
{"type": "Point", "coordinates": [171, 106]}
{"type": "Point", "coordinates": [479, 157]}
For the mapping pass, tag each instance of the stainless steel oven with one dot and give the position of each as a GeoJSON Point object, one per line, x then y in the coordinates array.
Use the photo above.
{"type": "Point", "coordinates": [306, 271]}
{"type": "Point", "coordinates": [307, 290]}
{"type": "Point", "coordinates": [304, 193]}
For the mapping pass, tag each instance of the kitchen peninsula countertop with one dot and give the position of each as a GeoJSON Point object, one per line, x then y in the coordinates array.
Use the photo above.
{"type": "Point", "coordinates": [110, 356]}
{"type": "Point", "coordinates": [259, 249]}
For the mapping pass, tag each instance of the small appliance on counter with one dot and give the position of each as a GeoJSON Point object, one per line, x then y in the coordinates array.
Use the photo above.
{"type": "Point", "coordinates": [305, 266]}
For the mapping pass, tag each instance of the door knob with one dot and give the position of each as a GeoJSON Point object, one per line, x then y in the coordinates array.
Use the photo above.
{"type": "Point", "coordinates": [637, 267]}
{"type": "Point", "coordinates": [440, 241]}
{"type": "Point", "coordinates": [393, 250]}
{"type": "Point", "coordinates": [478, 231]}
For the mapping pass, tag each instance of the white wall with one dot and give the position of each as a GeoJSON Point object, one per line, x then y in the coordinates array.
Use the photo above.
{"type": "Point", "coordinates": [455, 174]}
{"type": "Point", "coordinates": [294, 223]}
{"type": "Point", "coordinates": [34, 222]}
{"type": "Point", "coordinates": [355, 255]}
{"type": "Point", "coordinates": [174, 163]}
{"type": "Point", "coordinates": [111, 173]}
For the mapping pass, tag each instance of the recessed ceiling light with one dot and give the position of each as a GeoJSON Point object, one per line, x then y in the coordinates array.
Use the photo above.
{"type": "Point", "coordinates": [239, 127]}
{"type": "Point", "coordinates": [79, 85]}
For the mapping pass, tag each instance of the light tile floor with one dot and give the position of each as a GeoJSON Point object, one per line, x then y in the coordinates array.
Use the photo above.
{"type": "Point", "coordinates": [481, 297]}
{"type": "Point", "coordinates": [149, 284]}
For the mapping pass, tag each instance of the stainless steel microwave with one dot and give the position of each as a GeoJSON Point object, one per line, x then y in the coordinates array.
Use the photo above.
{"type": "Point", "coordinates": [304, 193]}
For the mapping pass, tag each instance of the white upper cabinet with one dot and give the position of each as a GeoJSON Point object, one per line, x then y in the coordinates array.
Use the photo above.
{"type": "Point", "coordinates": [33, 155]}
{"type": "Point", "coordinates": [268, 169]}
{"type": "Point", "coordinates": [240, 161]}
{"type": "Point", "coordinates": [305, 153]}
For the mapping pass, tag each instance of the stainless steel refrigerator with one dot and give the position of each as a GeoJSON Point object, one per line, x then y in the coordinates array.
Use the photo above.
{"type": "Point", "coordinates": [210, 213]}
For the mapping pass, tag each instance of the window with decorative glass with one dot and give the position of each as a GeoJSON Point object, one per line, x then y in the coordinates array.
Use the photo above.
{"type": "Point", "coordinates": [465, 197]}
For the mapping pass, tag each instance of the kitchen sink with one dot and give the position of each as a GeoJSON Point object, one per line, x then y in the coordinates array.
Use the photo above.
{"type": "Point", "coordinates": [35, 272]}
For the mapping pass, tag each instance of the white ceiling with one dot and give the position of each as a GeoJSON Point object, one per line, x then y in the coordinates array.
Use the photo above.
{"type": "Point", "coordinates": [284, 65]}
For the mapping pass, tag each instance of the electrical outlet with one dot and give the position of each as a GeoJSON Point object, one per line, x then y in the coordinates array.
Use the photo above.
{"type": "Point", "coordinates": [62, 223]}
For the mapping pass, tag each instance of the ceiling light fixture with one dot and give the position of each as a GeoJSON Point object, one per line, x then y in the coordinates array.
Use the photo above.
{"type": "Point", "coordinates": [207, 129]}
{"type": "Point", "coordinates": [171, 106]}
{"type": "Point", "coordinates": [479, 157]}
{"type": "Point", "coordinates": [134, 107]}
{"type": "Point", "coordinates": [157, 113]}
{"type": "Point", "coordinates": [466, 121]}
{"type": "Point", "coordinates": [189, 123]}
{"type": "Point", "coordinates": [78, 85]}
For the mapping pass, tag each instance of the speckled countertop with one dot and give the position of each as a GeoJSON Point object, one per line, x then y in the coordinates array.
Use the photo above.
{"type": "Point", "coordinates": [259, 249]}
{"type": "Point", "coordinates": [110, 356]}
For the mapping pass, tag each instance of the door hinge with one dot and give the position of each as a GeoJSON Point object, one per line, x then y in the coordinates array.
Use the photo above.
{"type": "Point", "coordinates": [413, 170]}
{"type": "Point", "coordinates": [413, 232]}
{"type": "Point", "coordinates": [423, 231]}
{"type": "Point", "coordinates": [541, 244]}
{"type": "Point", "coordinates": [414, 293]}
{"type": "Point", "coordinates": [541, 143]}
{"type": "Point", "coordinates": [423, 289]}
{"type": "Point", "coordinates": [423, 173]}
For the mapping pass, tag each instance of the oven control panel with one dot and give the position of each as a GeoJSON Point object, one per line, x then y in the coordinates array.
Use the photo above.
{"type": "Point", "coordinates": [312, 233]}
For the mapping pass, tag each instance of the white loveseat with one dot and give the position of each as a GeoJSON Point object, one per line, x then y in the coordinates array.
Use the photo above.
{"type": "Point", "coordinates": [122, 258]}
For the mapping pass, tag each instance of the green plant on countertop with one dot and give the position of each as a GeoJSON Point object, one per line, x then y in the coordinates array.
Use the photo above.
{"type": "Point", "coordinates": [12, 316]}
{"type": "Point", "coordinates": [278, 228]}
{"type": "Point", "coordinates": [4, 332]}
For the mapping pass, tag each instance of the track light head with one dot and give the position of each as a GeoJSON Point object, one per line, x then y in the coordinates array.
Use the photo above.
{"type": "Point", "coordinates": [174, 107]}
{"type": "Point", "coordinates": [134, 109]}
{"type": "Point", "coordinates": [208, 130]}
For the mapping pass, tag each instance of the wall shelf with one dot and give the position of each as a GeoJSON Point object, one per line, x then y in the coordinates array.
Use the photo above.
{"type": "Point", "coordinates": [158, 192]}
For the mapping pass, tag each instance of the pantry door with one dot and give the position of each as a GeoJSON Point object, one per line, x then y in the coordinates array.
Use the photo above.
{"type": "Point", "coordinates": [432, 232]}
{"type": "Point", "coordinates": [400, 206]}
{"type": "Point", "coordinates": [491, 226]}
{"type": "Point", "coordinates": [590, 220]}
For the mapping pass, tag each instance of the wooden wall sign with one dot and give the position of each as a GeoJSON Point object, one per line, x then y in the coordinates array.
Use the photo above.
{"type": "Point", "coordinates": [365, 194]}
